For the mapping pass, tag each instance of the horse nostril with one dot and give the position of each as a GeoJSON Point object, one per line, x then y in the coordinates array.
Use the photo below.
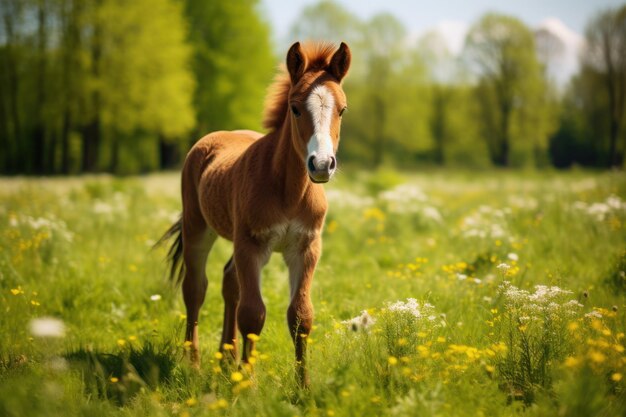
{"type": "Point", "coordinates": [333, 163]}
{"type": "Point", "coordinates": [311, 165]}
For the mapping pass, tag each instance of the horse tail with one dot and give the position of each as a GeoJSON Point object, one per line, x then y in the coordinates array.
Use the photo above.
{"type": "Point", "coordinates": [175, 252]}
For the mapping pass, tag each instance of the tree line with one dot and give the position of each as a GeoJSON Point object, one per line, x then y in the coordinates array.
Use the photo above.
{"type": "Point", "coordinates": [118, 86]}
{"type": "Point", "coordinates": [494, 104]}
{"type": "Point", "coordinates": [127, 87]}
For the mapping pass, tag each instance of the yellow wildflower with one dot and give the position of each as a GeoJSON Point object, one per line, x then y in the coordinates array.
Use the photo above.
{"type": "Point", "coordinates": [253, 337]}
{"type": "Point", "coordinates": [113, 379]}
{"type": "Point", "coordinates": [191, 402]}
{"type": "Point", "coordinates": [597, 357]}
{"type": "Point", "coordinates": [236, 376]}
{"type": "Point", "coordinates": [572, 326]}
{"type": "Point", "coordinates": [392, 360]}
{"type": "Point", "coordinates": [218, 355]}
{"type": "Point", "coordinates": [572, 361]}
{"type": "Point", "coordinates": [17, 291]}
{"type": "Point", "coordinates": [616, 377]}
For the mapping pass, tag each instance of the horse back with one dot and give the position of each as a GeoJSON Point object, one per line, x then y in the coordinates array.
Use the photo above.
{"type": "Point", "coordinates": [206, 182]}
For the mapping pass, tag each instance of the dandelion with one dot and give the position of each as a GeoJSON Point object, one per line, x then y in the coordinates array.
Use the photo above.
{"type": "Point", "coordinates": [572, 362]}
{"type": "Point", "coordinates": [616, 377]}
{"type": "Point", "coordinates": [392, 360]}
{"type": "Point", "coordinates": [121, 342]}
{"type": "Point", "coordinates": [113, 379]}
{"type": "Point", "coordinates": [47, 327]}
{"type": "Point", "coordinates": [253, 337]}
{"type": "Point", "coordinates": [187, 344]}
{"type": "Point", "coordinates": [572, 326]}
{"type": "Point", "coordinates": [218, 355]}
{"type": "Point", "coordinates": [597, 357]}
{"type": "Point", "coordinates": [191, 402]}
{"type": "Point", "coordinates": [228, 346]}
{"type": "Point", "coordinates": [236, 376]}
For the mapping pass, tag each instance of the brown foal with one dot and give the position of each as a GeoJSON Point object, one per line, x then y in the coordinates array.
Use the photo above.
{"type": "Point", "coordinates": [263, 193]}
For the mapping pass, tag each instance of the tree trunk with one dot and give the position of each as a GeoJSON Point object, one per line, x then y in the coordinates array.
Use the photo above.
{"type": "Point", "coordinates": [92, 131]}
{"type": "Point", "coordinates": [13, 89]}
{"type": "Point", "coordinates": [169, 155]}
{"type": "Point", "coordinates": [38, 150]}
{"type": "Point", "coordinates": [65, 142]}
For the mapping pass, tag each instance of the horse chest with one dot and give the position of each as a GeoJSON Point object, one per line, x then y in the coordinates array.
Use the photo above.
{"type": "Point", "coordinates": [282, 236]}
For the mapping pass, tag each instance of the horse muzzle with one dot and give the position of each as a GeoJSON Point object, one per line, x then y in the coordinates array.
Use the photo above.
{"type": "Point", "coordinates": [321, 170]}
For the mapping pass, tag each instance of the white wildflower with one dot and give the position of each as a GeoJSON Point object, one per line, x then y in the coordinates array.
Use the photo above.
{"type": "Point", "coordinates": [47, 327]}
{"type": "Point", "coordinates": [503, 267]}
{"type": "Point", "coordinates": [361, 322]}
{"type": "Point", "coordinates": [594, 314]}
{"type": "Point", "coordinates": [342, 198]}
{"type": "Point", "coordinates": [513, 257]}
{"type": "Point", "coordinates": [155, 297]}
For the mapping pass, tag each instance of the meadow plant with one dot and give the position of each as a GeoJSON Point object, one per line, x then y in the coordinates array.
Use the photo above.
{"type": "Point", "coordinates": [533, 326]}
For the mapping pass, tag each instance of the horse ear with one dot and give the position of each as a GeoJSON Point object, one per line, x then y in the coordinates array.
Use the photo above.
{"type": "Point", "coordinates": [340, 62]}
{"type": "Point", "coordinates": [296, 62]}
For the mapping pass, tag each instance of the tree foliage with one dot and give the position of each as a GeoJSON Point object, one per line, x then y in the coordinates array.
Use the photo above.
{"type": "Point", "coordinates": [513, 106]}
{"type": "Point", "coordinates": [604, 64]}
{"type": "Point", "coordinates": [110, 85]}
{"type": "Point", "coordinates": [233, 63]}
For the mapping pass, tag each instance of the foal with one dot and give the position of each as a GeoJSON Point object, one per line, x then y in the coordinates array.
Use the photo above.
{"type": "Point", "coordinates": [263, 193]}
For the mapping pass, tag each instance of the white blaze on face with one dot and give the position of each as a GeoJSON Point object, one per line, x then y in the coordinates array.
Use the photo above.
{"type": "Point", "coordinates": [320, 104]}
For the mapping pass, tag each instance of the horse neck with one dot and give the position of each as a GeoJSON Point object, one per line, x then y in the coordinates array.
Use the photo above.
{"type": "Point", "coordinates": [288, 167]}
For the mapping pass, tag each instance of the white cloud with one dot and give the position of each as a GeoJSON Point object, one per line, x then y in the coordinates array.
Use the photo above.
{"type": "Point", "coordinates": [454, 32]}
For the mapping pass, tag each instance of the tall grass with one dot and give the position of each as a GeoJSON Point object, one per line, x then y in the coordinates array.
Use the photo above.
{"type": "Point", "coordinates": [438, 293]}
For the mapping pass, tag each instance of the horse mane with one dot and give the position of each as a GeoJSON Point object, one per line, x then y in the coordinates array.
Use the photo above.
{"type": "Point", "coordinates": [317, 56]}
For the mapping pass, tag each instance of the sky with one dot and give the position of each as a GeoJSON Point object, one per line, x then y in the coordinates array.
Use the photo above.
{"type": "Point", "coordinates": [419, 16]}
{"type": "Point", "coordinates": [452, 18]}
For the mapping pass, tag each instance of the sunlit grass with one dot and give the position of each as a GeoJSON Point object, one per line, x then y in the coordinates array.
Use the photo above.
{"type": "Point", "coordinates": [495, 293]}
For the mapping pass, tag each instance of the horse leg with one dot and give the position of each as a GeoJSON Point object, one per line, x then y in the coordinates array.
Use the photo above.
{"type": "Point", "coordinates": [230, 293]}
{"type": "Point", "coordinates": [301, 264]}
{"type": "Point", "coordinates": [196, 247]}
{"type": "Point", "coordinates": [249, 258]}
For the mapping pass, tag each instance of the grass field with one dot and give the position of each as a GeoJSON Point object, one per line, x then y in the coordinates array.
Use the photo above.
{"type": "Point", "coordinates": [438, 294]}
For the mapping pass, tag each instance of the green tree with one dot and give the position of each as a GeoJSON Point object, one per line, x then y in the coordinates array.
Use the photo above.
{"type": "Point", "coordinates": [91, 85]}
{"type": "Point", "coordinates": [144, 55]}
{"type": "Point", "coordinates": [233, 63]}
{"type": "Point", "coordinates": [510, 85]}
{"type": "Point", "coordinates": [605, 61]}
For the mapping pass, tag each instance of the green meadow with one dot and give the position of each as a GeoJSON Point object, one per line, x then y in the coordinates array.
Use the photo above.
{"type": "Point", "coordinates": [494, 293]}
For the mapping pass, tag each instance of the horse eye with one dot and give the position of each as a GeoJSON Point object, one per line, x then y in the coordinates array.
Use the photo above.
{"type": "Point", "coordinates": [295, 111]}
{"type": "Point", "coordinates": [341, 111]}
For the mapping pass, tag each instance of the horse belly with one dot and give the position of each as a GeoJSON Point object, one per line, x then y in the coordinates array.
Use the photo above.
{"type": "Point", "coordinates": [215, 202]}
{"type": "Point", "coordinates": [284, 236]}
